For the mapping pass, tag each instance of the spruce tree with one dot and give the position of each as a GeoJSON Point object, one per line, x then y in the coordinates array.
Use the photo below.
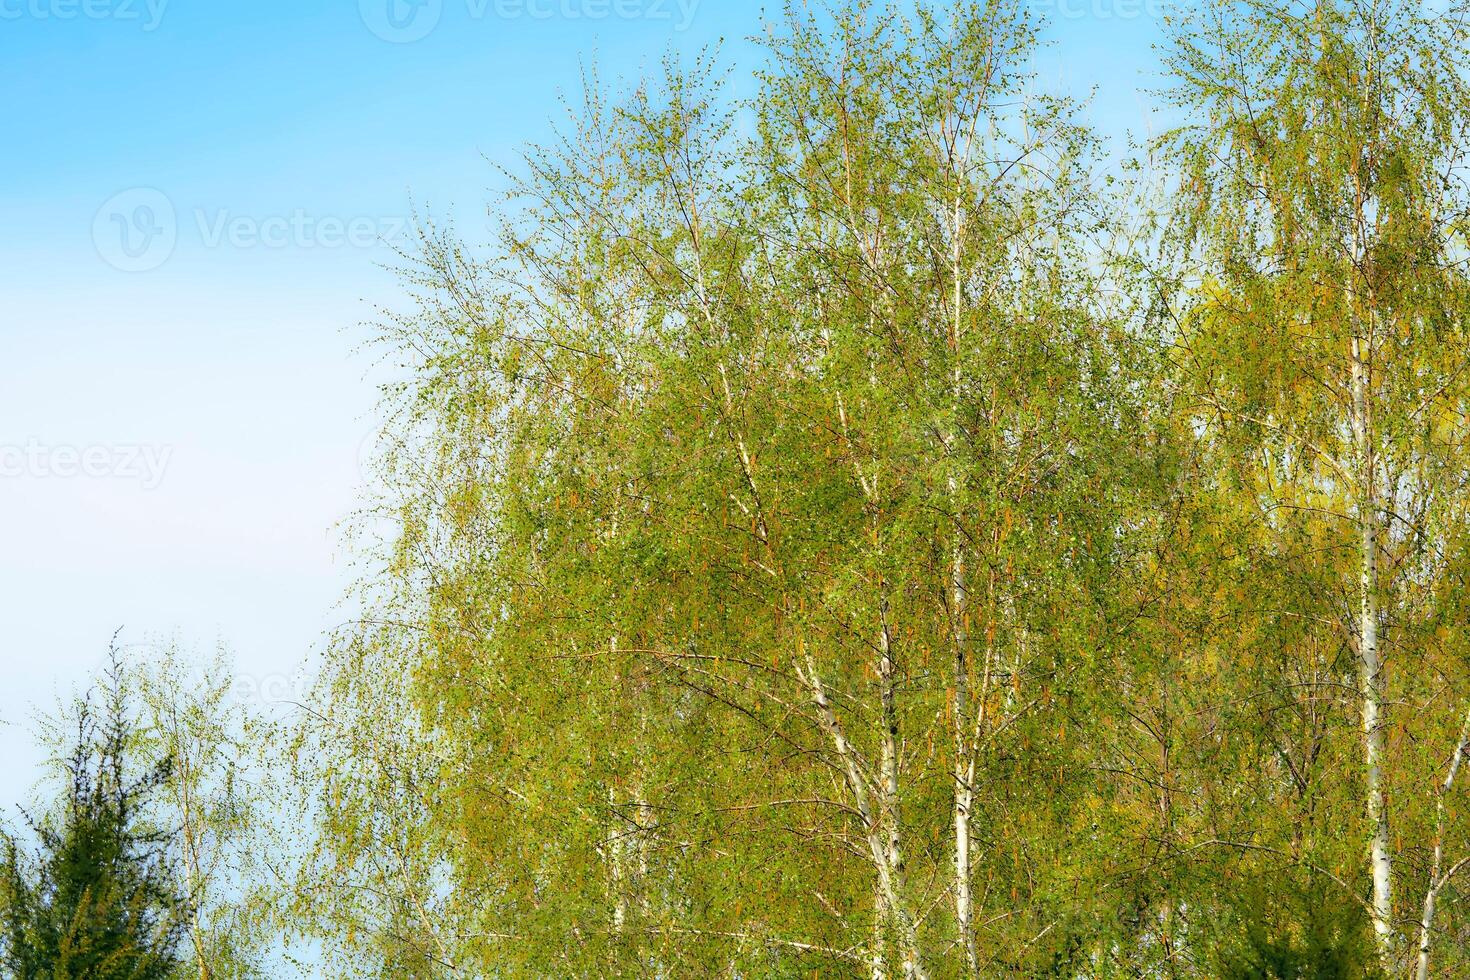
{"type": "Point", "coordinates": [95, 898]}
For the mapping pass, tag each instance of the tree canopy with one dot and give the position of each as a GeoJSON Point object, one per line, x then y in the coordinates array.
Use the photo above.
{"type": "Point", "coordinates": [857, 529]}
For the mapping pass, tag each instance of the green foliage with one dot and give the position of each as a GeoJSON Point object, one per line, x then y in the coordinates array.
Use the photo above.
{"type": "Point", "coordinates": [1284, 932]}
{"type": "Point", "coordinates": [190, 723]}
{"type": "Point", "coordinates": [803, 483]}
{"type": "Point", "coordinates": [836, 533]}
{"type": "Point", "coordinates": [97, 899]}
{"type": "Point", "coordinates": [707, 445]}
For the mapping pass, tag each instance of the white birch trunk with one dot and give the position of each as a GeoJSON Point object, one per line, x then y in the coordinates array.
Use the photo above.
{"type": "Point", "coordinates": [888, 800]}
{"type": "Point", "coordinates": [1370, 668]}
{"type": "Point", "coordinates": [617, 845]}
{"type": "Point", "coordinates": [194, 877]}
{"type": "Point", "coordinates": [879, 959]}
{"type": "Point", "coordinates": [616, 872]}
{"type": "Point", "coordinates": [890, 876]}
{"type": "Point", "coordinates": [1431, 893]}
{"type": "Point", "coordinates": [964, 773]}
{"type": "Point", "coordinates": [964, 763]}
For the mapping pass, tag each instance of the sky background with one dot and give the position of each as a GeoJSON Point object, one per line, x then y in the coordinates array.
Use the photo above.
{"type": "Point", "coordinates": [194, 197]}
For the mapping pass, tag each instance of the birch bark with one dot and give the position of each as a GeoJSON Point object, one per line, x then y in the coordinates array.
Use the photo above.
{"type": "Point", "coordinates": [1370, 667]}
{"type": "Point", "coordinates": [964, 789]}
{"type": "Point", "coordinates": [890, 876]}
{"type": "Point", "coordinates": [1431, 893]}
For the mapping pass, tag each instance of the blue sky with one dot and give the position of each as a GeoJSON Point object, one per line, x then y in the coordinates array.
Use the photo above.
{"type": "Point", "coordinates": [193, 200]}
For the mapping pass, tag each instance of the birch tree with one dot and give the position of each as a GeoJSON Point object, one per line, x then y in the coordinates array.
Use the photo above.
{"type": "Point", "coordinates": [1320, 181]}
{"type": "Point", "coordinates": [189, 721]}
{"type": "Point", "coordinates": [740, 491]}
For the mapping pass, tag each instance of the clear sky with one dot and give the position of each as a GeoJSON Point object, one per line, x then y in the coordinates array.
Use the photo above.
{"type": "Point", "coordinates": [194, 196]}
